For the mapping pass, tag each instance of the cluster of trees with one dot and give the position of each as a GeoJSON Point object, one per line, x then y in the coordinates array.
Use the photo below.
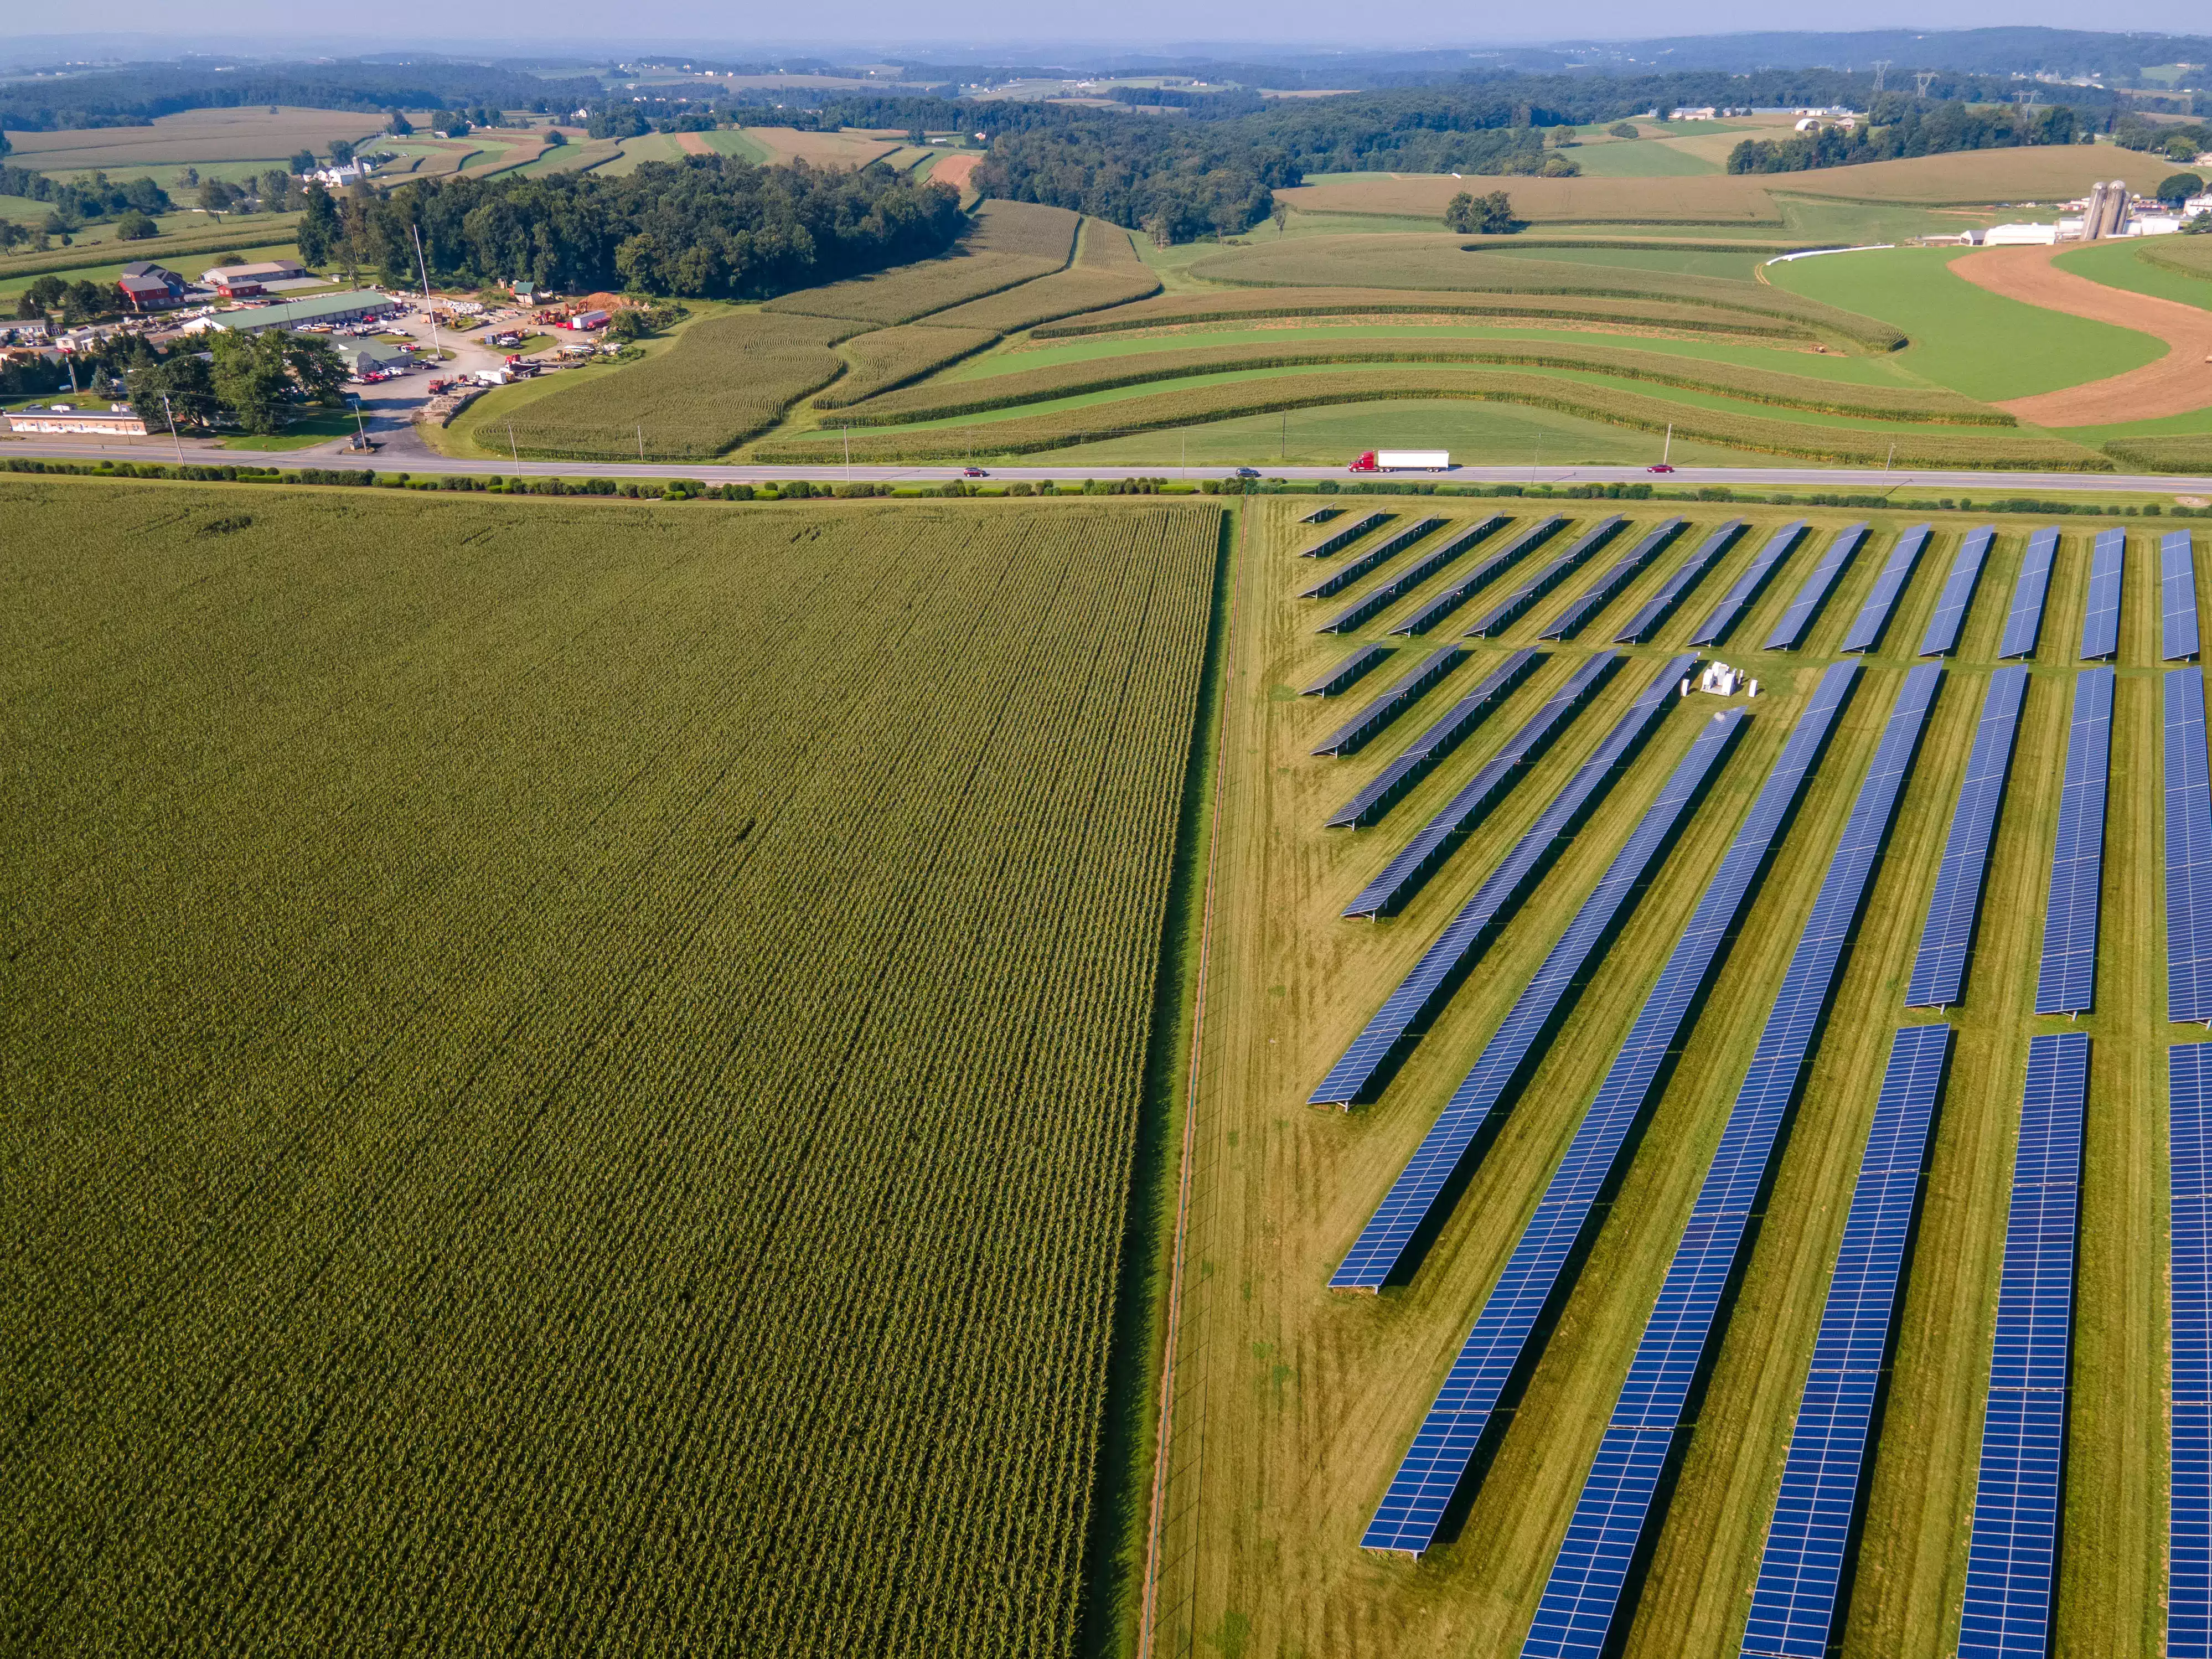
{"type": "Point", "coordinates": [2181, 142]}
{"type": "Point", "coordinates": [1481, 216]}
{"type": "Point", "coordinates": [706, 226]}
{"type": "Point", "coordinates": [275, 190]}
{"type": "Point", "coordinates": [80, 302]}
{"type": "Point", "coordinates": [1904, 126]}
{"type": "Point", "coordinates": [134, 97]}
{"type": "Point", "coordinates": [77, 202]}
{"type": "Point", "coordinates": [252, 382]}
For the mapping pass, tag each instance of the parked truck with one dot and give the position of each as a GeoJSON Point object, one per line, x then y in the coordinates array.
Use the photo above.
{"type": "Point", "coordinates": [1404, 461]}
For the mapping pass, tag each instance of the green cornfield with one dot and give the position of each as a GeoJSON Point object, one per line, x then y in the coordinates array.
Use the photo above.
{"type": "Point", "coordinates": [572, 1072]}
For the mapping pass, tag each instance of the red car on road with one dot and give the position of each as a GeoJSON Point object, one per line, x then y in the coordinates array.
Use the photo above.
{"type": "Point", "coordinates": [973, 473]}
{"type": "Point", "coordinates": [1661, 467]}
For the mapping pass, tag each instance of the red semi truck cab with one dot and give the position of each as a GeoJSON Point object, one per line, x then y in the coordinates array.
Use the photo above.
{"type": "Point", "coordinates": [1403, 460]}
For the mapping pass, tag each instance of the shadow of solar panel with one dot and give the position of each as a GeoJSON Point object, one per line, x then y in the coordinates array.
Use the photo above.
{"type": "Point", "coordinates": [1655, 610]}
{"type": "Point", "coordinates": [1355, 733]}
{"type": "Point", "coordinates": [1504, 1341]}
{"type": "Point", "coordinates": [1789, 633]}
{"type": "Point", "coordinates": [2188, 851]}
{"type": "Point", "coordinates": [1725, 616]}
{"type": "Point", "coordinates": [1947, 938]}
{"type": "Point", "coordinates": [1498, 776]}
{"type": "Point", "coordinates": [1353, 569]}
{"type": "Point", "coordinates": [2177, 598]}
{"type": "Point", "coordinates": [1603, 592]}
{"type": "Point", "coordinates": [1525, 598]}
{"type": "Point", "coordinates": [2066, 981]}
{"type": "Point", "coordinates": [2100, 622]}
{"type": "Point", "coordinates": [1390, 593]}
{"type": "Point", "coordinates": [1337, 540]}
{"type": "Point", "coordinates": [1957, 598]}
{"type": "Point", "coordinates": [1321, 515]}
{"type": "Point", "coordinates": [1793, 1602]}
{"type": "Point", "coordinates": [2013, 1550]}
{"type": "Point", "coordinates": [1684, 1328]}
{"type": "Point", "coordinates": [1872, 620]}
{"type": "Point", "coordinates": [1384, 1041]}
{"type": "Point", "coordinates": [1427, 750]}
{"type": "Point", "coordinates": [2024, 622]}
{"type": "Point", "coordinates": [1469, 583]}
{"type": "Point", "coordinates": [1425, 1188]}
{"type": "Point", "coordinates": [2189, 1518]}
{"type": "Point", "coordinates": [1351, 669]}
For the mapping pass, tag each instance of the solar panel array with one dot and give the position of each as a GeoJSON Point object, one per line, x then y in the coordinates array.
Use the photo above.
{"type": "Point", "coordinates": [1419, 1196]}
{"type": "Point", "coordinates": [2100, 621]}
{"type": "Point", "coordinates": [1576, 617]}
{"type": "Point", "coordinates": [1353, 569]}
{"type": "Point", "coordinates": [1655, 610]}
{"type": "Point", "coordinates": [1354, 734]}
{"type": "Point", "coordinates": [1789, 633]}
{"type": "Point", "coordinates": [1793, 1601]}
{"type": "Point", "coordinates": [1619, 1500]}
{"type": "Point", "coordinates": [2189, 1538]}
{"type": "Point", "coordinates": [1426, 751]}
{"type": "Point", "coordinates": [2066, 983]}
{"type": "Point", "coordinates": [2013, 1550]}
{"type": "Point", "coordinates": [1504, 1342]}
{"type": "Point", "coordinates": [1717, 626]}
{"type": "Point", "coordinates": [1947, 938]}
{"type": "Point", "coordinates": [1338, 540]}
{"type": "Point", "coordinates": [1390, 592]}
{"type": "Point", "coordinates": [1435, 842]}
{"type": "Point", "coordinates": [1473, 581]}
{"type": "Point", "coordinates": [1942, 638]}
{"type": "Point", "coordinates": [2176, 604]}
{"type": "Point", "coordinates": [1872, 620]}
{"type": "Point", "coordinates": [2023, 626]}
{"type": "Point", "coordinates": [1386, 1038]}
{"type": "Point", "coordinates": [1345, 672]}
{"type": "Point", "coordinates": [1523, 599]}
{"type": "Point", "coordinates": [2188, 851]}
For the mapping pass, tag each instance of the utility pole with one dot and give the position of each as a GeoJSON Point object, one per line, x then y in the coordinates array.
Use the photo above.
{"type": "Point", "coordinates": [848, 429]}
{"type": "Point", "coordinates": [171, 421]}
{"type": "Point", "coordinates": [360, 431]}
{"type": "Point", "coordinates": [640, 443]}
{"type": "Point", "coordinates": [1283, 448]}
{"type": "Point", "coordinates": [512, 454]}
{"type": "Point", "coordinates": [437, 351]}
{"type": "Point", "coordinates": [1668, 451]}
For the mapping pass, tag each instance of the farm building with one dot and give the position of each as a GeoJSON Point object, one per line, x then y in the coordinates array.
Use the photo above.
{"type": "Point", "coordinates": [233, 282]}
{"type": "Point", "coordinates": [372, 360]}
{"type": "Point", "coordinates": [148, 287]}
{"type": "Point", "coordinates": [118, 422]}
{"type": "Point", "coordinates": [347, 307]}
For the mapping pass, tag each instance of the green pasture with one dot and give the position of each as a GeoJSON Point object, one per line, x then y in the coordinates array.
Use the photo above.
{"type": "Point", "coordinates": [1963, 336]}
{"type": "Point", "coordinates": [2120, 264]}
{"type": "Point", "coordinates": [1639, 158]}
{"type": "Point", "coordinates": [1816, 220]}
{"type": "Point", "coordinates": [733, 142]}
{"type": "Point", "coordinates": [1691, 262]}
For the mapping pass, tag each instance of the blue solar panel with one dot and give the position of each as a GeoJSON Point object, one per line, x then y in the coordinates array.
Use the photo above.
{"type": "Point", "coordinates": [1576, 617]}
{"type": "Point", "coordinates": [1388, 593]}
{"type": "Point", "coordinates": [2188, 851]}
{"type": "Point", "coordinates": [1503, 1343]}
{"type": "Point", "coordinates": [1794, 1603]}
{"type": "Point", "coordinates": [1339, 539]}
{"type": "Point", "coordinates": [1946, 939]}
{"type": "Point", "coordinates": [1353, 569]}
{"type": "Point", "coordinates": [2066, 983]}
{"type": "Point", "coordinates": [1661, 606]}
{"type": "Point", "coordinates": [1471, 582]}
{"type": "Point", "coordinates": [1427, 752]}
{"type": "Point", "coordinates": [2024, 622]}
{"type": "Point", "coordinates": [2189, 1539]}
{"type": "Point", "coordinates": [1942, 638]}
{"type": "Point", "coordinates": [1789, 633]}
{"type": "Point", "coordinates": [1356, 733]}
{"type": "Point", "coordinates": [1418, 1198]}
{"type": "Point", "coordinates": [2101, 622]}
{"type": "Point", "coordinates": [1717, 626]}
{"type": "Point", "coordinates": [1436, 841]}
{"type": "Point", "coordinates": [1368, 1063]}
{"type": "Point", "coordinates": [1616, 1511]}
{"type": "Point", "coordinates": [2013, 1550]}
{"type": "Point", "coordinates": [1321, 515]}
{"type": "Point", "coordinates": [2177, 587]}
{"type": "Point", "coordinates": [1872, 620]}
{"type": "Point", "coordinates": [1524, 598]}
{"type": "Point", "coordinates": [1345, 672]}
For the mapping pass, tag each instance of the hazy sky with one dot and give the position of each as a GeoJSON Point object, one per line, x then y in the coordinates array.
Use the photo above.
{"type": "Point", "coordinates": [1002, 28]}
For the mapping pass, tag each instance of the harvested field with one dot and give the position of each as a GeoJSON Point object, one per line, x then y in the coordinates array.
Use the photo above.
{"type": "Point", "coordinates": [694, 143]}
{"type": "Point", "coordinates": [1011, 389]}
{"type": "Point", "coordinates": [2179, 383]}
{"type": "Point", "coordinates": [821, 149]}
{"type": "Point", "coordinates": [2043, 172]}
{"type": "Point", "coordinates": [1393, 305]}
{"type": "Point", "coordinates": [1106, 272]}
{"type": "Point", "coordinates": [199, 134]}
{"type": "Point", "coordinates": [551, 1057]}
{"type": "Point", "coordinates": [1690, 199]}
{"type": "Point", "coordinates": [887, 357]}
{"type": "Point", "coordinates": [1090, 421]}
{"type": "Point", "coordinates": [955, 170]}
{"type": "Point", "coordinates": [722, 380]}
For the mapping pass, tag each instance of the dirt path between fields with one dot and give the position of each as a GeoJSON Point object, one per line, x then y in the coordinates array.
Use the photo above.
{"type": "Point", "coordinates": [2179, 383]}
{"type": "Point", "coordinates": [693, 144]}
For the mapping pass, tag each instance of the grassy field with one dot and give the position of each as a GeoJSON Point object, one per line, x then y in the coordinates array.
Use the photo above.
{"type": "Point", "coordinates": [2047, 173]}
{"type": "Point", "coordinates": [1701, 199]}
{"type": "Point", "coordinates": [546, 1056]}
{"type": "Point", "coordinates": [2119, 265]}
{"type": "Point", "coordinates": [191, 137]}
{"type": "Point", "coordinates": [1294, 1404]}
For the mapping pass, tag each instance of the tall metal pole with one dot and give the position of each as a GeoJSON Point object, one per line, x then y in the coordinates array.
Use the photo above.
{"type": "Point", "coordinates": [171, 420]}
{"type": "Point", "coordinates": [437, 351]}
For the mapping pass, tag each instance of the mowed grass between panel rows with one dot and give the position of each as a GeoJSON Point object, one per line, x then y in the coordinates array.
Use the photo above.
{"type": "Point", "coordinates": [1295, 1403]}
{"type": "Point", "coordinates": [574, 1070]}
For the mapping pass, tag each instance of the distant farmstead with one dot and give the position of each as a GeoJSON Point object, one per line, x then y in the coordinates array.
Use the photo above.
{"type": "Point", "coordinates": [235, 282]}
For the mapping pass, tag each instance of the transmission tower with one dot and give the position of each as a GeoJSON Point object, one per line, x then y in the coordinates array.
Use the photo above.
{"type": "Point", "coordinates": [1920, 81]}
{"type": "Point", "coordinates": [1881, 71]}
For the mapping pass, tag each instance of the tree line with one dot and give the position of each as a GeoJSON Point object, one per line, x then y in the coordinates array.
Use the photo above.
{"type": "Point", "coordinates": [137, 96]}
{"type": "Point", "coordinates": [1901, 127]}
